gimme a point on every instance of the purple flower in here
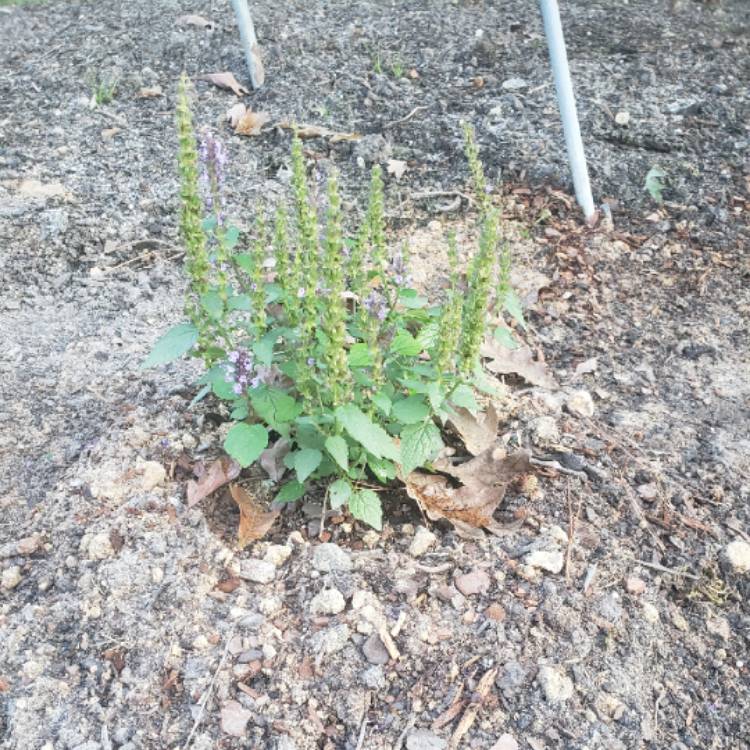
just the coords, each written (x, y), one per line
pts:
(237, 389)
(239, 371)
(213, 159)
(310, 361)
(301, 292)
(376, 305)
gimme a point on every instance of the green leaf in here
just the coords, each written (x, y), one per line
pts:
(230, 237)
(290, 492)
(173, 344)
(223, 389)
(410, 410)
(463, 396)
(512, 304)
(309, 435)
(263, 348)
(436, 395)
(411, 300)
(372, 436)
(339, 450)
(383, 403)
(245, 442)
(273, 292)
(202, 393)
(404, 344)
(419, 443)
(360, 356)
(245, 262)
(274, 406)
(365, 506)
(239, 302)
(383, 470)
(654, 183)
(209, 223)
(339, 493)
(306, 461)
(428, 335)
(211, 302)
(504, 337)
(240, 411)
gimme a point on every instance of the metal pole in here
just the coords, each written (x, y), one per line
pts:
(567, 103)
(249, 42)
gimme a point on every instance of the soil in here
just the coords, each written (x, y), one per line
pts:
(612, 613)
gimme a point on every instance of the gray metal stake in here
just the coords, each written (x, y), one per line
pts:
(567, 103)
(249, 42)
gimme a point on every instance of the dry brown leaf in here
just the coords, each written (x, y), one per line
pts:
(251, 122)
(478, 432)
(190, 19)
(220, 472)
(318, 131)
(272, 459)
(484, 480)
(504, 361)
(228, 585)
(396, 167)
(226, 80)
(235, 112)
(255, 521)
(150, 92)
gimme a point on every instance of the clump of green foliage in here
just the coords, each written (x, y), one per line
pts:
(319, 338)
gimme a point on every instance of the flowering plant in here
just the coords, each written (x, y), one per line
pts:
(318, 341)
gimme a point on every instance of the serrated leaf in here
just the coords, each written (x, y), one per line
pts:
(263, 348)
(365, 506)
(339, 493)
(405, 345)
(212, 303)
(504, 337)
(419, 443)
(306, 461)
(223, 389)
(239, 302)
(410, 410)
(274, 406)
(512, 304)
(436, 395)
(428, 335)
(245, 262)
(463, 396)
(383, 469)
(372, 436)
(654, 184)
(360, 356)
(231, 236)
(245, 442)
(173, 344)
(339, 450)
(290, 492)
(383, 403)
(411, 300)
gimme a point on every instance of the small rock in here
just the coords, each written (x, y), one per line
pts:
(514, 84)
(505, 742)
(328, 602)
(545, 430)
(371, 149)
(258, 571)
(495, 612)
(373, 677)
(737, 554)
(609, 707)
(200, 643)
(557, 687)
(423, 540)
(635, 586)
(99, 547)
(473, 582)
(277, 554)
(551, 560)
(647, 492)
(610, 607)
(650, 613)
(285, 742)
(374, 650)
(679, 621)
(423, 739)
(580, 403)
(11, 578)
(331, 640)
(154, 474)
(622, 118)
(719, 626)
(371, 538)
(329, 557)
(234, 718)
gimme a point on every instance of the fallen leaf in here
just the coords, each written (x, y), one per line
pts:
(318, 131)
(396, 167)
(116, 656)
(235, 113)
(520, 361)
(478, 432)
(190, 19)
(228, 585)
(483, 479)
(4, 685)
(150, 92)
(225, 80)
(272, 459)
(234, 718)
(255, 521)
(251, 123)
(220, 472)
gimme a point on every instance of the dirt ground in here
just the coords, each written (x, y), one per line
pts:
(613, 613)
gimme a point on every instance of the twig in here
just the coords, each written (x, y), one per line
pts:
(442, 194)
(442, 568)
(571, 531)
(363, 727)
(737, 531)
(664, 569)
(557, 466)
(403, 119)
(207, 695)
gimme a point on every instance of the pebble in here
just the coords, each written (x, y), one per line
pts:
(154, 474)
(737, 554)
(328, 602)
(557, 687)
(423, 739)
(474, 582)
(719, 626)
(505, 742)
(650, 613)
(580, 403)
(329, 557)
(635, 586)
(422, 541)
(277, 554)
(622, 118)
(374, 650)
(495, 612)
(514, 84)
(234, 719)
(285, 742)
(331, 640)
(545, 430)
(258, 571)
(551, 560)
(11, 578)
(200, 643)
(373, 677)
(371, 538)
(680, 622)
(99, 547)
